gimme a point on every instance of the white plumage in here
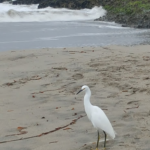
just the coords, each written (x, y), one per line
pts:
(97, 116)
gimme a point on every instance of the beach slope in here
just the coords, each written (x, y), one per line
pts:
(40, 109)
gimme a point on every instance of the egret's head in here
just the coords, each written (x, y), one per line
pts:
(84, 88)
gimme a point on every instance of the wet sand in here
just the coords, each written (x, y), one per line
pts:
(39, 109)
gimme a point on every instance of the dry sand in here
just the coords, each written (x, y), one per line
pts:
(40, 111)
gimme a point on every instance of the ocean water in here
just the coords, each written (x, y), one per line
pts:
(26, 27)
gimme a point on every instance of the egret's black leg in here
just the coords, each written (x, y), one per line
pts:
(97, 140)
(105, 139)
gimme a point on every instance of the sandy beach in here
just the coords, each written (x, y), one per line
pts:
(40, 109)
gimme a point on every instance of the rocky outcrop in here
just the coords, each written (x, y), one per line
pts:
(135, 21)
(1, 1)
(71, 4)
(28, 2)
(135, 13)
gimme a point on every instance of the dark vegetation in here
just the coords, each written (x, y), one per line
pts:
(134, 13)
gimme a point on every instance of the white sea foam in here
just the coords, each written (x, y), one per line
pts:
(31, 13)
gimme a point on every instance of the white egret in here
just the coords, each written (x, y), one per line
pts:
(97, 116)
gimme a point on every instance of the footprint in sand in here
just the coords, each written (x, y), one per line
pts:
(77, 76)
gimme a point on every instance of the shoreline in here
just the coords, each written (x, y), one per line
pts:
(41, 111)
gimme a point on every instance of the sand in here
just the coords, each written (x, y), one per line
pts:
(40, 111)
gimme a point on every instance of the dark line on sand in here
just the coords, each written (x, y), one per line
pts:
(45, 133)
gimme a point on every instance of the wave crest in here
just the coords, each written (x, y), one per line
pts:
(31, 13)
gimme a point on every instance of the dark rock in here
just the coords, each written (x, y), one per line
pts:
(28, 2)
(124, 25)
(71, 4)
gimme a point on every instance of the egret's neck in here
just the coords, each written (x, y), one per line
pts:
(87, 103)
(87, 97)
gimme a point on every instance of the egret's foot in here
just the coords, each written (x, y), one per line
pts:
(97, 149)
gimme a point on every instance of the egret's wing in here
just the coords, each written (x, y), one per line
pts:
(100, 121)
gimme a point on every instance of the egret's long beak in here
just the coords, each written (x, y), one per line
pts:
(80, 91)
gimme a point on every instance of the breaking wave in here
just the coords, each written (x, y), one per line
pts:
(31, 13)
